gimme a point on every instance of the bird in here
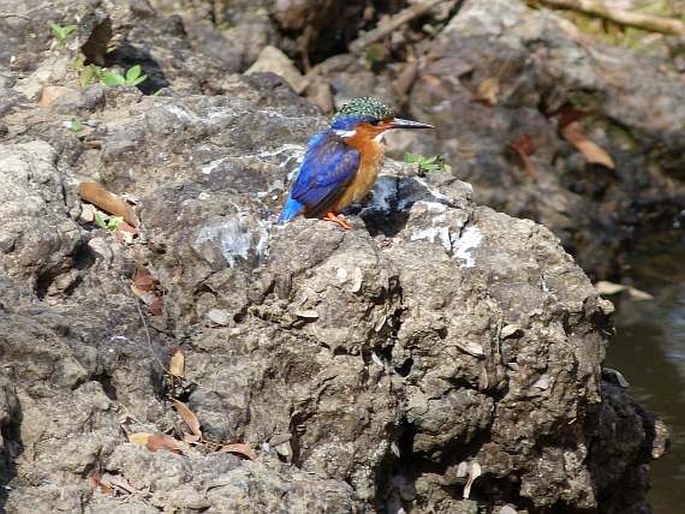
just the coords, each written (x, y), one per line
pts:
(341, 163)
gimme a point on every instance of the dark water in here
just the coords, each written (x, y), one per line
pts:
(649, 349)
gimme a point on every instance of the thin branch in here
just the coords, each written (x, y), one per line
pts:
(147, 336)
(395, 22)
(632, 19)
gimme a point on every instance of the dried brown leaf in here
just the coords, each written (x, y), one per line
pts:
(163, 442)
(573, 132)
(525, 146)
(143, 286)
(125, 233)
(487, 91)
(188, 417)
(177, 362)
(241, 449)
(524, 143)
(569, 115)
(154, 442)
(122, 484)
(156, 307)
(139, 438)
(95, 480)
(94, 193)
(143, 279)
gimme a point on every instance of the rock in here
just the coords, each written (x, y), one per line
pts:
(38, 239)
(271, 59)
(544, 66)
(218, 316)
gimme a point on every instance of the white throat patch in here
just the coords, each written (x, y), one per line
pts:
(345, 133)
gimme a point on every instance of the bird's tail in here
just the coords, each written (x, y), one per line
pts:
(291, 209)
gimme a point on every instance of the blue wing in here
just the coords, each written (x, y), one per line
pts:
(328, 166)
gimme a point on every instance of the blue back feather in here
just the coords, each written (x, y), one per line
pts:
(328, 167)
(291, 209)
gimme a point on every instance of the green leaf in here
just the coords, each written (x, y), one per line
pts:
(112, 78)
(61, 33)
(114, 222)
(428, 164)
(134, 77)
(411, 158)
(100, 219)
(139, 80)
(56, 30)
(69, 30)
(89, 75)
(133, 73)
(76, 126)
(79, 62)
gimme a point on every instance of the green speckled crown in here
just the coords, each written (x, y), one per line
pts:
(365, 106)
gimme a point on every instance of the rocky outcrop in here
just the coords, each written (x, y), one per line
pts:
(441, 357)
(538, 66)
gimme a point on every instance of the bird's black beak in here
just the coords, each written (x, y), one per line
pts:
(399, 123)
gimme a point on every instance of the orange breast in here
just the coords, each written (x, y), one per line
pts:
(372, 155)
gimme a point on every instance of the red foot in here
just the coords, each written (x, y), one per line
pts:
(330, 216)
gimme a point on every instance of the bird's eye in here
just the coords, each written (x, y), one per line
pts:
(375, 122)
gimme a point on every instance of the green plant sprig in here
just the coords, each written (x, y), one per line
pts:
(435, 164)
(62, 32)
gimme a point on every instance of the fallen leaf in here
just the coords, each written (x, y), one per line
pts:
(241, 449)
(113, 204)
(163, 442)
(95, 480)
(569, 115)
(573, 132)
(154, 442)
(487, 91)
(148, 297)
(143, 286)
(609, 288)
(125, 233)
(190, 420)
(177, 362)
(156, 307)
(142, 279)
(121, 483)
(638, 294)
(525, 146)
(474, 472)
(139, 438)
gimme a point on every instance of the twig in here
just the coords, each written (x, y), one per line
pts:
(632, 19)
(396, 21)
(147, 336)
(13, 15)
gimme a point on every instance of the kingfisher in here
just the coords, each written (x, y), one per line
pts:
(342, 162)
